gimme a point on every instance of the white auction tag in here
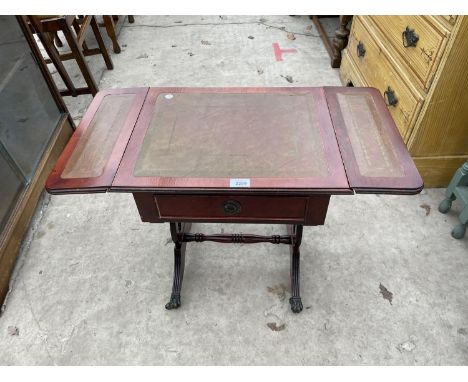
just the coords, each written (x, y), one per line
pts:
(239, 183)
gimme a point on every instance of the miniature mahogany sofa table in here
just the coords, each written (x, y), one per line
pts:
(236, 155)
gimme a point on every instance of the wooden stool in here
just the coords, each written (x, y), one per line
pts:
(46, 27)
(458, 188)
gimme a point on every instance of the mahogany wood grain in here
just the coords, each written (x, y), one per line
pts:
(365, 143)
(350, 146)
(261, 209)
(211, 207)
(58, 184)
(237, 238)
(334, 182)
(295, 255)
(376, 160)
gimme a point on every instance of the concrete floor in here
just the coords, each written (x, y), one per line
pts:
(92, 281)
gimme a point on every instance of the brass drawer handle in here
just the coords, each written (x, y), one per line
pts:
(231, 207)
(409, 37)
(361, 51)
(390, 98)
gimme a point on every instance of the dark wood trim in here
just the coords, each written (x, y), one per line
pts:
(236, 238)
(295, 300)
(18, 223)
(227, 191)
(178, 230)
(146, 206)
(180, 234)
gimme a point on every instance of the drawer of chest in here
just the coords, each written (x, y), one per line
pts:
(448, 20)
(380, 71)
(419, 41)
(349, 73)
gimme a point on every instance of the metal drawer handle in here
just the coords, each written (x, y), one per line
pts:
(409, 37)
(361, 51)
(232, 207)
(390, 98)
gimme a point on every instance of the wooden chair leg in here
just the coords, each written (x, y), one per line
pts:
(110, 28)
(102, 45)
(48, 44)
(79, 57)
(77, 27)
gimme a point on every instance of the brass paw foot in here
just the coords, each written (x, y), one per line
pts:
(173, 303)
(296, 304)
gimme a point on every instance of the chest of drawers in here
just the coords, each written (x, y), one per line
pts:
(420, 65)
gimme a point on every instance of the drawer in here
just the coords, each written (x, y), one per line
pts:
(231, 207)
(381, 71)
(349, 73)
(448, 19)
(423, 47)
(307, 210)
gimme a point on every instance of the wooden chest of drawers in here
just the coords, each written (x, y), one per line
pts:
(420, 65)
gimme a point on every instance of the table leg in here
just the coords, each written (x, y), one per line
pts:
(295, 300)
(177, 232)
(180, 236)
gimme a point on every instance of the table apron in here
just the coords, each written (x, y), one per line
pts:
(256, 209)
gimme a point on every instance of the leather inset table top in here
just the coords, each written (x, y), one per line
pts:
(233, 136)
(317, 140)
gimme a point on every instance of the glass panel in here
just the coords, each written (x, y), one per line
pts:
(370, 142)
(28, 113)
(11, 187)
(229, 135)
(95, 146)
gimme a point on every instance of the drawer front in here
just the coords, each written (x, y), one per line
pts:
(231, 207)
(381, 71)
(349, 73)
(419, 40)
(450, 19)
(158, 208)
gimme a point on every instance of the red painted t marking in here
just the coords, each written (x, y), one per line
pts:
(279, 52)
